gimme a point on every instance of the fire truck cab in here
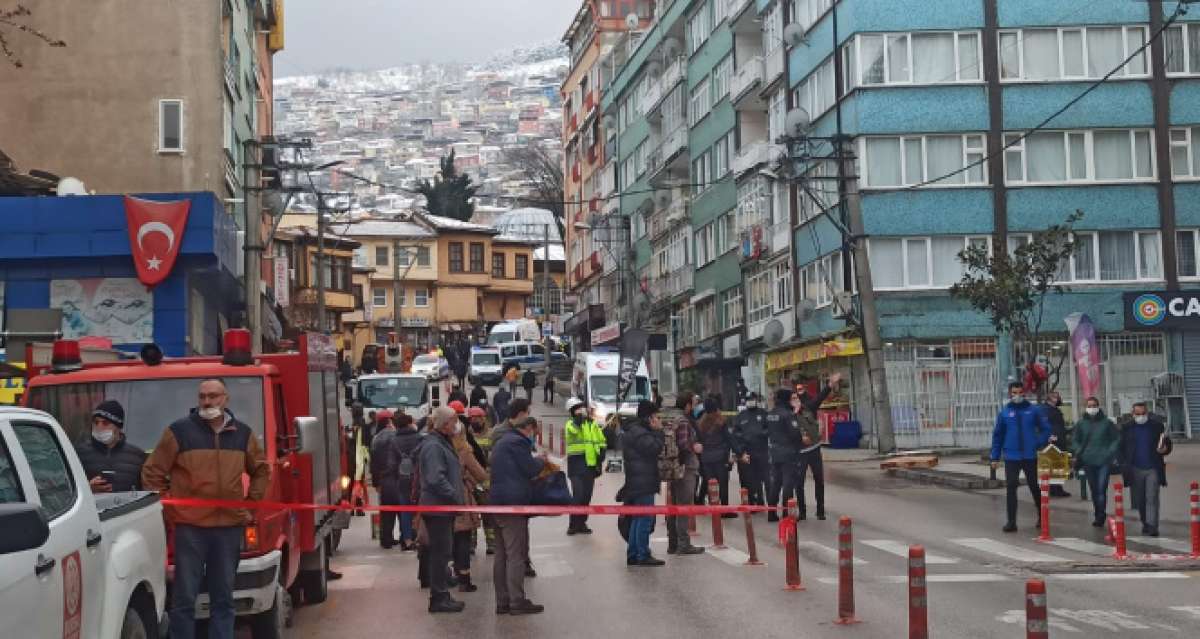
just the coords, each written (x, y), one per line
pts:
(291, 402)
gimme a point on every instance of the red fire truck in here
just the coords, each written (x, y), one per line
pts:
(290, 400)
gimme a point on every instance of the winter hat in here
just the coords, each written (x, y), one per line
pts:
(646, 409)
(711, 405)
(111, 410)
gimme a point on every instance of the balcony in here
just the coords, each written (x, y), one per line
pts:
(778, 237)
(672, 76)
(666, 155)
(747, 80)
(736, 7)
(658, 225)
(231, 76)
(773, 67)
(677, 210)
(612, 206)
(680, 281)
(589, 102)
(652, 97)
(755, 155)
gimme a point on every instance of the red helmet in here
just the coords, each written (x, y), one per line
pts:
(476, 412)
(457, 407)
(383, 414)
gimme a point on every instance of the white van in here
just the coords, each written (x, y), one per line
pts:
(408, 393)
(524, 330)
(485, 365)
(527, 355)
(595, 380)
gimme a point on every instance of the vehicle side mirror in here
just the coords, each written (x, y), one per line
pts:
(308, 434)
(25, 527)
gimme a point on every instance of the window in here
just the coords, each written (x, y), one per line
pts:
(754, 203)
(1108, 256)
(759, 300)
(782, 275)
(10, 486)
(821, 193)
(1048, 157)
(729, 234)
(706, 244)
(51, 474)
(720, 157)
(641, 158)
(1187, 258)
(701, 172)
(700, 103)
(772, 28)
(776, 115)
(816, 94)
(699, 27)
(1182, 43)
(823, 279)
(807, 12)
(423, 256)
(170, 126)
(476, 257)
(903, 161)
(941, 57)
(1185, 151)
(498, 269)
(522, 267)
(721, 75)
(1076, 53)
(456, 257)
(731, 308)
(705, 319)
(421, 297)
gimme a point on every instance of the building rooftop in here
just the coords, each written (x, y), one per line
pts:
(451, 224)
(557, 253)
(387, 228)
(528, 223)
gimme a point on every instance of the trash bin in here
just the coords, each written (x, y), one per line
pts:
(845, 434)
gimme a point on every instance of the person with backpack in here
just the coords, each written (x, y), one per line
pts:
(399, 465)
(529, 382)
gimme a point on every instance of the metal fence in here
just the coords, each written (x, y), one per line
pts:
(943, 394)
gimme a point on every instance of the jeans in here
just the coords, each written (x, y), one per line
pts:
(1012, 481)
(1097, 480)
(1145, 495)
(512, 556)
(812, 460)
(681, 495)
(639, 530)
(783, 484)
(440, 531)
(720, 472)
(583, 481)
(209, 554)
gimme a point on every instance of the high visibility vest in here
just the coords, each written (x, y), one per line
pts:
(585, 439)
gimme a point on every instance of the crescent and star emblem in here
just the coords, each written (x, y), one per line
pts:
(155, 227)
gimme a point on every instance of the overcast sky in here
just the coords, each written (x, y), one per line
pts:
(322, 34)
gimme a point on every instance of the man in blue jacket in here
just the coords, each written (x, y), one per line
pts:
(1021, 431)
(514, 466)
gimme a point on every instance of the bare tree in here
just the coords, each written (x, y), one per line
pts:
(16, 19)
(544, 173)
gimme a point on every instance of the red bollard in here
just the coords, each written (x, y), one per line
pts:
(1118, 531)
(1044, 484)
(787, 534)
(550, 438)
(751, 545)
(918, 610)
(718, 531)
(1195, 499)
(562, 443)
(541, 427)
(1037, 621)
(845, 574)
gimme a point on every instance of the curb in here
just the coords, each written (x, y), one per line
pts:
(1181, 565)
(962, 481)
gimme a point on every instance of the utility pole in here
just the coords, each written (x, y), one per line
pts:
(321, 263)
(546, 290)
(852, 205)
(396, 288)
(252, 245)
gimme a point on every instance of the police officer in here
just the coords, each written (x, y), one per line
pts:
(783, 436)
(585, 452)
(750, 435)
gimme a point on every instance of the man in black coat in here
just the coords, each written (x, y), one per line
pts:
(529, 382)
(110, 463)
(783, 435)
(754, 464)
(513, 470)
(441, 484)
(1144, 444)
(641, 444)
(478, 394)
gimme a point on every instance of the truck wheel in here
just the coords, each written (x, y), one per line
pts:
(135, 626)
(315, 583)
(269, 624)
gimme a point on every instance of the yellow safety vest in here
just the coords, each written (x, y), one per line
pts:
(585, 439)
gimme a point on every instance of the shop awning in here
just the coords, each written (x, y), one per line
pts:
(837, 347)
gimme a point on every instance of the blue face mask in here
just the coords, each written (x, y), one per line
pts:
(697, 411)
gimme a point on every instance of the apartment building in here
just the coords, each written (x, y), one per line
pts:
(398, 262)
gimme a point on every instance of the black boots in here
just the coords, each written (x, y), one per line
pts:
(445, 603)
(464, 583)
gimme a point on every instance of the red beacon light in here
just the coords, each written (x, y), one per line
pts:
(65, 356)
(237, 348)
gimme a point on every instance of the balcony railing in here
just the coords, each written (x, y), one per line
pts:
(673, 143)
(778, 237)
(753, 155)
(658, 225)
(773, 66)
(677, 210)
(653, 95)
(673, 75)
(231, 76)
(680, 281)
(748, 77)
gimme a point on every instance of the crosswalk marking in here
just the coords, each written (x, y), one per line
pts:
(1083, 546)
(969, 578)
(1088, 576)
(1164, 542)
(827, 551)
(1015, 553)
(731, 556)
(900, 549)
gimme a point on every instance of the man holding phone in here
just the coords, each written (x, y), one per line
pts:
(111, 463)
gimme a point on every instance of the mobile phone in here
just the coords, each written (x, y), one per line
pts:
(108, 475)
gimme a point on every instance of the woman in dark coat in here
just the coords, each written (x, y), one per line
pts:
(717, 447)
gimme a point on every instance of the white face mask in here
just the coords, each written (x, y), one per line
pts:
(457, 428)
(104, 436)
(210, 413)
(1141, 419)
(1092, 410)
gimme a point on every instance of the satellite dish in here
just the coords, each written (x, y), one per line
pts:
(671, 48)
(793, 35)
(805, 310)
(70, 186)
(632, 21)
(797, 122)
(773, 333)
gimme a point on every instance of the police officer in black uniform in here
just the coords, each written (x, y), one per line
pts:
(754, 464)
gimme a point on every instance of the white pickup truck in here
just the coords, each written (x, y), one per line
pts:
(73, 565)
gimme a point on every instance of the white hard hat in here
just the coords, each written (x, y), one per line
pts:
(574, 403)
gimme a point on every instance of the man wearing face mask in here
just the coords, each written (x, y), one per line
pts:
(1094, 445)
(441, 484)
(1021, 431)
(585, 450)
(110, 463)
(750, 433)
(204, 456)
(1144, 444)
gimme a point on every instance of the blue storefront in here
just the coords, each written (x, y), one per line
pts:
(73, 253)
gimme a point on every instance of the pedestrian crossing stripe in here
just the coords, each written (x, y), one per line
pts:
(900, 549)
(821, 549)
(1163, 542)
(1008, 551)
(1082, 545)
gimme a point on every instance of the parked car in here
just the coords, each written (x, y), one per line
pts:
(431, 366)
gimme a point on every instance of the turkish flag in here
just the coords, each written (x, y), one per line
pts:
(155, 235)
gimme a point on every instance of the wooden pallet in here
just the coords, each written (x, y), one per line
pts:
(910, 461)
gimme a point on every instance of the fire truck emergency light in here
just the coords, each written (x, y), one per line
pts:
(237, 348)
(65, 356)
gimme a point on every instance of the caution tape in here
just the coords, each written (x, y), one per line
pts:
(601, 509)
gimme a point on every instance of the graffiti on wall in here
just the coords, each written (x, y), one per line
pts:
(120, 309)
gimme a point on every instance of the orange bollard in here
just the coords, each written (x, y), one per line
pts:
(1037, 621)
(550, 438)
(541, 427)
(562, 444)
(751, 545)
(787, 535)
(918, 610)
(1118, 526)
(845, 574)
(1195, 512)
(1044, 484)
(718, 531)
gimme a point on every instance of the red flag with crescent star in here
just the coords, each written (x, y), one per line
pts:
(155, 235)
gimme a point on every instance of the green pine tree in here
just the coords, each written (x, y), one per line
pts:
(450, 193)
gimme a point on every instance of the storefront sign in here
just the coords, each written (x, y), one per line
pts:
(839, 347)
(609, 333)
(1162, 309)
(281, 282)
